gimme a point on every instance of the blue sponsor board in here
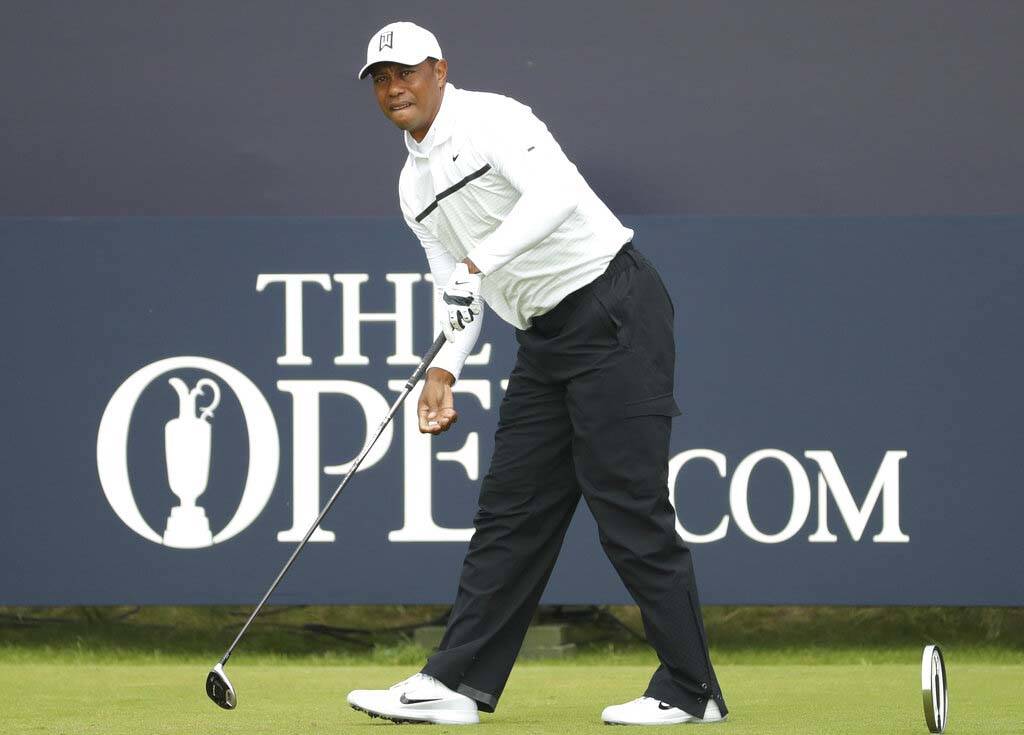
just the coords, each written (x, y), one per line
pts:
(182, 394)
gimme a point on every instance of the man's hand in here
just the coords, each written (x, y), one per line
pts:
(462, 297)
(437, 404)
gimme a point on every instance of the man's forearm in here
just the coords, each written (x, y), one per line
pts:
(453, 355)
(540, 211)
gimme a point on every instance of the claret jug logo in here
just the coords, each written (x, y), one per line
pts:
(188, 441)
(188, 444)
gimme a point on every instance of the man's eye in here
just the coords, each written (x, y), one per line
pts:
(407, 72)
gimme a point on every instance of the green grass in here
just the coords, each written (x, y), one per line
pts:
(783, 670)
(540, 698)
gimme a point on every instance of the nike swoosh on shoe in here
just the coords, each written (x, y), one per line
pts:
(405, 700)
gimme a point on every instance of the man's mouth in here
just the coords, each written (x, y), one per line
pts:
(400, 106)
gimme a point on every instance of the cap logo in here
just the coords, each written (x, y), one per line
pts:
(386, 41)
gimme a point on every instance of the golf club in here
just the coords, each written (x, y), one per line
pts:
(218, 687)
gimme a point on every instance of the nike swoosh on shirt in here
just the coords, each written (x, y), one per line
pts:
(405, 700)
(455, 156)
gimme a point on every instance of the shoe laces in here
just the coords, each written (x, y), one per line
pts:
(641, 700)
(411, 680)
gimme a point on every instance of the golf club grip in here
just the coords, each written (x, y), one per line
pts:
(427, 359)
(415, 378)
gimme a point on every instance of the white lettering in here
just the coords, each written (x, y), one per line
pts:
(738, 496)
(293, 352)
(306, 446)
(886, 485)
(674, 466)
(112, 445)
(418, 521)
(352, 317)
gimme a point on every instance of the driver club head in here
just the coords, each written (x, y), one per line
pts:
(219, 689)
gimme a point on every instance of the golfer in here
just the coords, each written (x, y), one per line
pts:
(506, 220)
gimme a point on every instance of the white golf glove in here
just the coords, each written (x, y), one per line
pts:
(462, 298)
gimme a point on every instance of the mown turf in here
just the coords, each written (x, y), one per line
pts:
(540, 698)
(783, 670)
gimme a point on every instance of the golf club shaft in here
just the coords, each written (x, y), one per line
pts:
(410, 384)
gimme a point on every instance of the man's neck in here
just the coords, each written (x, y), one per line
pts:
(419, 135)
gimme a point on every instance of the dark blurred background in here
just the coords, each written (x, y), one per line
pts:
(709, 107)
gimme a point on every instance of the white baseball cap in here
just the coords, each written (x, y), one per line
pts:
(402, 42)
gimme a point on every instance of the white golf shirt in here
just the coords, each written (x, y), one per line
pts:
(490, 183)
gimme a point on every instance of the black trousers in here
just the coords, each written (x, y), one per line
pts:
(588, 411)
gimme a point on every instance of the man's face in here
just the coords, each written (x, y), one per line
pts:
(410, 96)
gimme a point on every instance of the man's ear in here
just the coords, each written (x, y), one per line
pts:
(441, 70)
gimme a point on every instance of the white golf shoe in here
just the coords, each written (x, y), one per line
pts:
(420, 698)
(648, 711)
